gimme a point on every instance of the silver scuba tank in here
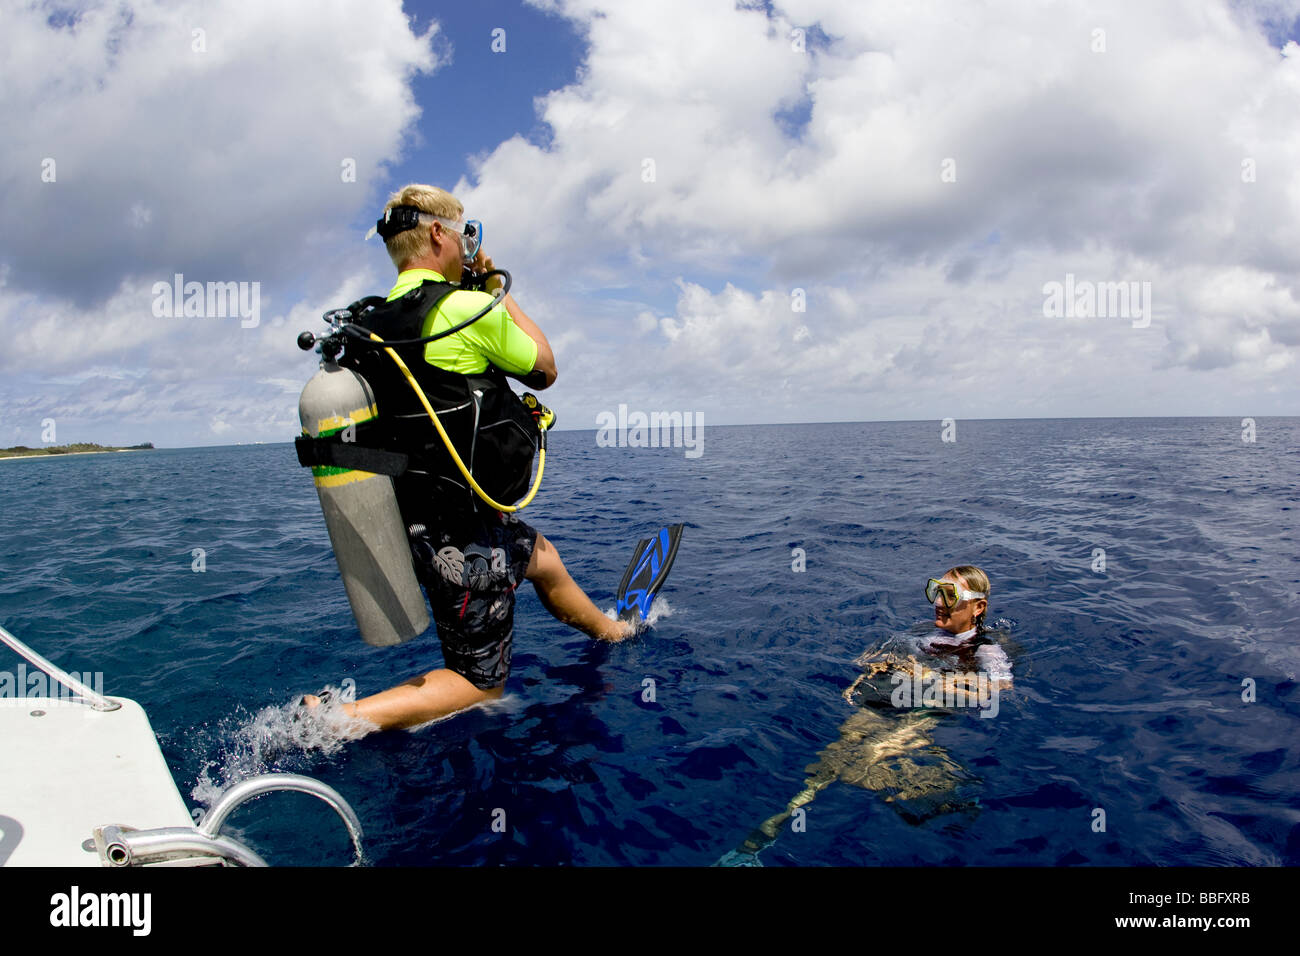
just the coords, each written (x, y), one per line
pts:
(361, 514)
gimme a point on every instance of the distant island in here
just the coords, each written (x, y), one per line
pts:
(79, 448)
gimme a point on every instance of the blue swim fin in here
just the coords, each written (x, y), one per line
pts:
(646, 573)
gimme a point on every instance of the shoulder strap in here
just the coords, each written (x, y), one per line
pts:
(403, 317)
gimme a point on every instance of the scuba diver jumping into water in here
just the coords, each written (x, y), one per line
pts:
(953, 665)
(470, 551)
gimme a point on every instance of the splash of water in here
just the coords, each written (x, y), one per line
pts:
(288, 738)
(658, 610)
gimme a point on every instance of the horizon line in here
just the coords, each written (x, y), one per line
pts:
(882, 421)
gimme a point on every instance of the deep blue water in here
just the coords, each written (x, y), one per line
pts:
(1128, 683)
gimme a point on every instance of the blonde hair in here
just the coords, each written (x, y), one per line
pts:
(976, 580)
(414, 243)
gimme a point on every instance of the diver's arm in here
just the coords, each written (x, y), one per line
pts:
(534, 379)
(544, 372)
(848, 694)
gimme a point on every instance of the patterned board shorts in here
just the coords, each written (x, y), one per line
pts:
(470, 576)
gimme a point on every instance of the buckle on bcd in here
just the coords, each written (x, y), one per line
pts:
(543, 416)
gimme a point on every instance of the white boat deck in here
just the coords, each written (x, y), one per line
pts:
(73, 768)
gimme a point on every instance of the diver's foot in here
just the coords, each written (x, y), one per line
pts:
(325, 711)
(309, 702)
(312, 701)
(306, 704)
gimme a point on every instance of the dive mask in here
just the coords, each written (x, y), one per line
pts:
(471, 236)
(948, 593)
(395, 220)
(401, 218)
(473, 240)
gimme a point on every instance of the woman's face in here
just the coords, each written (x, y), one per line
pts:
(962, 617)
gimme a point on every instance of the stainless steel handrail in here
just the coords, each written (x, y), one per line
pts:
(96, 701)
(268, 782)
(123, 846)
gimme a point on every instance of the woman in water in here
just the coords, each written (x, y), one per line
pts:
(959, 638)
(953, 665)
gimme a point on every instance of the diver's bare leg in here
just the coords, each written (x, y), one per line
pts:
(821, 774)
(764, 835)
(566, 601)
(417, 701)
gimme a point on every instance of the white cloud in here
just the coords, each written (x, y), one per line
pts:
(192, 137)
(1120, 164)
(117, 373)
(211, 154)
(1168, 158)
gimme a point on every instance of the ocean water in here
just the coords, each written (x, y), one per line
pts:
(1153, 718)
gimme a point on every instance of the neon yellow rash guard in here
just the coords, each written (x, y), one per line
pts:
(494, 338)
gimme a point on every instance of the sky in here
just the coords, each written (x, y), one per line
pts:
(803, 211)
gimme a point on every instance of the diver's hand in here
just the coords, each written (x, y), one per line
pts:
(483, 263)
(849, 691)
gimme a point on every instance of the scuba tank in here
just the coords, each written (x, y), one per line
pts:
(376, 436)
(361, 514)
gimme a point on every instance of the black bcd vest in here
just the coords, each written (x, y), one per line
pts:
(494, 433)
